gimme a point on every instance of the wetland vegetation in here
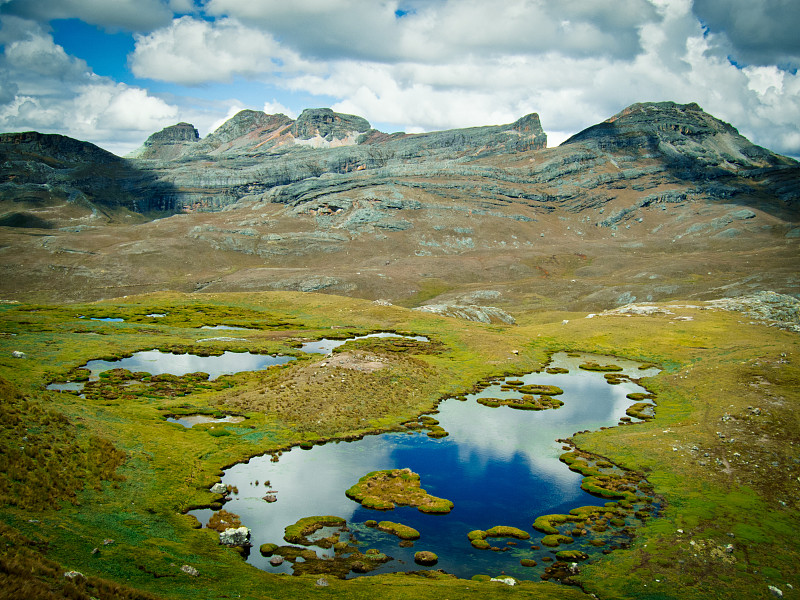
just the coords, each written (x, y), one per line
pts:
(718, 455)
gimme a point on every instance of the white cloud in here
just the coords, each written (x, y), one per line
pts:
(38, 57)
(131, 15)
(445, 29)
(118, 107)
(757, 33)
(275, 107)
(677, 62)
(444, 64)
(44, 89)
(192, 51)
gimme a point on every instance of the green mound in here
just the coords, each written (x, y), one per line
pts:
(382, 490)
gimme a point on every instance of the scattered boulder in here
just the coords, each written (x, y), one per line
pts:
(276, 561)
(190, 570)
(18, 354)
(239, 536)
(218, 488)
(506, 580)
(472, 312)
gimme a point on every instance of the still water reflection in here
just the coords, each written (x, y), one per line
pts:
(498, 465)
(326, 346)
(156, 362)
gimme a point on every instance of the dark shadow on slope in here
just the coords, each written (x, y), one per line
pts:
(38, 168)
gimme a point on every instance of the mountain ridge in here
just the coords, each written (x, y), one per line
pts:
(425, 218)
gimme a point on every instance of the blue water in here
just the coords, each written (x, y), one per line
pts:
(326, 345)
(156, 362)
(498, 465)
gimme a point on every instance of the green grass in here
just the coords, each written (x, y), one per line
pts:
(112, 468)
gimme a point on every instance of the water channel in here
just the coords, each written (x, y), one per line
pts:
(499, 466)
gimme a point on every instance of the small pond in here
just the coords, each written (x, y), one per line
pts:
(156, 362)
(190, 421)
(499, 466)
(326, 346)
(104, 319)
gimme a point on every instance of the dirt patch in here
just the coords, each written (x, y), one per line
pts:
(357, 362)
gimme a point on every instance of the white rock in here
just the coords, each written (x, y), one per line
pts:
(190, 570)
(18, 354)
(506, 580)
(775, 591)
(235, 536)
(218, 488)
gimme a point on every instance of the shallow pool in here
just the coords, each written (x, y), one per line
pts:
(499, 466)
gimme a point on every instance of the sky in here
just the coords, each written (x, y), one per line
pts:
(114, 71)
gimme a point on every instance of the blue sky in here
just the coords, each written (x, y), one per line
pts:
(115, 71)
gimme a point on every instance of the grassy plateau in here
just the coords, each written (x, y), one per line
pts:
(100, 484)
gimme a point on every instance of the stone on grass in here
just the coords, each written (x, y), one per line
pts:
(235, 536)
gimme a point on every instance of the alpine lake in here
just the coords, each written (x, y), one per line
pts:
(519, 491)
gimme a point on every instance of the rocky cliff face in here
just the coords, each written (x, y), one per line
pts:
(320, 125)
(169, 143)
(254, 153)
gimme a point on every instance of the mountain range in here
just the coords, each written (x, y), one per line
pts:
(660, 201)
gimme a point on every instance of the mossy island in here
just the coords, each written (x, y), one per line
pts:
(478, 537)
(594, 366)
(383, 490)
(542, 389)
(404, 532)
(298, 532)
(425, 558)
(526, 402)
(222, 520)
(641, 410)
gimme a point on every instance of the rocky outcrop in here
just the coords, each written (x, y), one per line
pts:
(169, 143)
(776, 310)
(239, 536)
(323, 125)
(481, 314)
(245, 132)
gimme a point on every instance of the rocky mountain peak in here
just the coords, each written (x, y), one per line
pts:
(246, 123)
(530, 129)
(325, 124)
(181, 132)
(169, 142)
(681, 133)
